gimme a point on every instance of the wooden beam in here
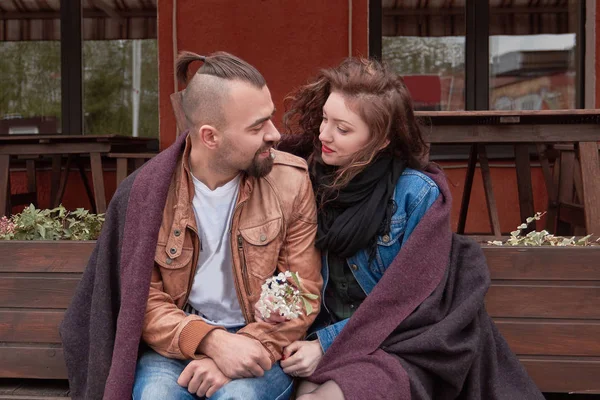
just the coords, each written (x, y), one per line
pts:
(524, 184)
(488, 190)
(71, 51)
(87, 13)
(4, 183)
(590, 168)
(375, 29)
(466, 195)
(477, 55)
(534, 133)
(110, 11)
(445, 11)
(98, 180)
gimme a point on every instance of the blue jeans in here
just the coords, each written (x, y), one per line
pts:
(156, 379)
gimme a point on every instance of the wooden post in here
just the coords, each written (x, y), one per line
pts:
(590, 175)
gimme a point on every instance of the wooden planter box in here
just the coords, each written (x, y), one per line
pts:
(37, 281)
(546, 303)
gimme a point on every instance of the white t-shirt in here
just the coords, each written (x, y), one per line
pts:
(213, 291)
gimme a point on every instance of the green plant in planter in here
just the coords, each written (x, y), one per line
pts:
(51, 224)
(543, 238)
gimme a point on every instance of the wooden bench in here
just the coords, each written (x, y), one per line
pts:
(123, 166)
(37, 281)
(545, 301)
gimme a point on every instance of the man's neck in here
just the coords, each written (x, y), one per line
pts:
(201, 168)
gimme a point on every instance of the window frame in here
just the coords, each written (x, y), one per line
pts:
(477, 49)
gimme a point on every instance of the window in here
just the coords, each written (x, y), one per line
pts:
(55, 52)
(468, 54)
(427, 47)
(120, 87)
(31, 82)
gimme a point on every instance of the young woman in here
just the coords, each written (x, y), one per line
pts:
(402, 311)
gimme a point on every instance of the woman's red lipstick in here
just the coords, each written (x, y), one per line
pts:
(326, 150)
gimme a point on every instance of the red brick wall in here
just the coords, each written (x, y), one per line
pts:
(597, 54)
(288, 41)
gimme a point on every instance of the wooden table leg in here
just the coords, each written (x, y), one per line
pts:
(578, 182)
(489, 193)
(55, 179)
(590, 176)
(567, 176)
(551, 187)
(86, 183)
(64, 178)
(121, 170)
(524, 185)
(466, 195)
(4, 177)
(565, 189)
(98, 182)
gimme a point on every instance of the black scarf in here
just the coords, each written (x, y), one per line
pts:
(351, 219)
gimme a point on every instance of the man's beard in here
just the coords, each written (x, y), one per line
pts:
(260, 167)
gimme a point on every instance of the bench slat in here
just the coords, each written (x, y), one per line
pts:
(558, 338)
(550, 263)
(32, 362)
(37, 292)
(544, 301)
(564, 375)
(41, 256)
(25, 326)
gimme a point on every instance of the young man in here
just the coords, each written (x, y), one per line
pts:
(235, 213)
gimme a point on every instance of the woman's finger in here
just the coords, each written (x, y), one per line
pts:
(293, 360)
(292, 348)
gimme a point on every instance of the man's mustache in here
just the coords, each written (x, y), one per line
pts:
(268, 146)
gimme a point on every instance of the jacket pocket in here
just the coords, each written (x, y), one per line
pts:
(175, 275)
(388, 246)
(259, 250)
(162, 257)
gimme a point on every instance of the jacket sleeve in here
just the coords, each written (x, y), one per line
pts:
(427, 197)
(327, 335)
(298, 254)
(168, 330)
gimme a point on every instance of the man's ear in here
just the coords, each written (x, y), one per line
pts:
(209, 136)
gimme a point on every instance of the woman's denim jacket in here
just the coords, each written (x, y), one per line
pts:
(415, 193)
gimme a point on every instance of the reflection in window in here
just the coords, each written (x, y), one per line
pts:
(534, 55)
(433, 69)
(30, 81)
(424, 42)
(532, 72)
(120, 87)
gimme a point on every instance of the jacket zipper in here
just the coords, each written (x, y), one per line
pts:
(194, 266)
(235, 275)
(240, 240)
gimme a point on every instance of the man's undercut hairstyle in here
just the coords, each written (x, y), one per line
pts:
(203, 97)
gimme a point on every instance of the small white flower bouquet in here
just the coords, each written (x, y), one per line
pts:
(281, 297)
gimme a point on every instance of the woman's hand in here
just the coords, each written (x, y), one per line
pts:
(274, 319)
(300, 359)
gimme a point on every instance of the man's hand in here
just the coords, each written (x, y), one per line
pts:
(202, 377)
(237, 356)
(301, 358)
